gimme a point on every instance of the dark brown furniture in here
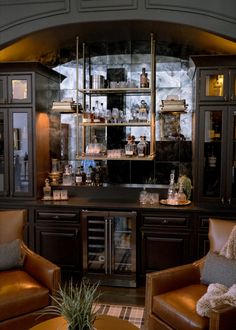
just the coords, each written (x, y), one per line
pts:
(172, 294)
(24, 292)
(215, 124)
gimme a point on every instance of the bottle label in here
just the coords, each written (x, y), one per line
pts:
(78, 179)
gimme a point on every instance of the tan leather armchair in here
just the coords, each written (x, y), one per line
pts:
(24, 292)
(172, 294)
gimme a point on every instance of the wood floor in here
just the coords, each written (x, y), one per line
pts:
(122, 296)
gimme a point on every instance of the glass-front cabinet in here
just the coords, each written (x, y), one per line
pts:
(215, 150)
(27, 90)
(217, 154)
(218, 85)
(15, 89)
(109, 247)
(15, 152)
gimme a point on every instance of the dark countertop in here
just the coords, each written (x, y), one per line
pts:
(98, 203)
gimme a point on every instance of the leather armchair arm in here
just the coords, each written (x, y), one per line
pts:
(223, 317)
(172, 278)
(42, 269)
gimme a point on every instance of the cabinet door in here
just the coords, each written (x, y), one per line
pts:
(58, 237)
(123, 242)
(19, 89)
(59, 244)
(232, 85)
(214, 85)
(109, 247)
(211, 162)
(3, 153)
(3, 89)
(231, 164)
(162, 250)
(95, 248)
(20, 152)
(166, 241)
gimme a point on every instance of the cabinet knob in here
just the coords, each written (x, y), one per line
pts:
(222, 200)
(164, 221)
(229, 200)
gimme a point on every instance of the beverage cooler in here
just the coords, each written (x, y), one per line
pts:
(109, 247)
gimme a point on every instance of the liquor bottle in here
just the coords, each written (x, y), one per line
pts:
(181, 197)
(135, 151)
(83, 174)
(129, 147)
(96, 113)
(141, 147)
(143, 79)
(171, 189)
(68, 176)
(143, 112)
(102, 114)
(87, 115)
(78, 177)
(47, 190)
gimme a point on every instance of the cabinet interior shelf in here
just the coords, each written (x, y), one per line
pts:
(102, 91)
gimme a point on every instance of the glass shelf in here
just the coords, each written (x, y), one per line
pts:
(135, 124)
(104, 91)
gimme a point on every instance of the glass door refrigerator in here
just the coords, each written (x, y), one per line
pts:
(109, 247)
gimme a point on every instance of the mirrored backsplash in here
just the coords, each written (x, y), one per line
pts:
(173, 133)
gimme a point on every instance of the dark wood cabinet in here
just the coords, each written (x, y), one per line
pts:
(57, 238)
(215, 131)
(26, 94)
(167, 240)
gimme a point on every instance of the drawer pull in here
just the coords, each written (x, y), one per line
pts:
(164, 221)
(56, 217)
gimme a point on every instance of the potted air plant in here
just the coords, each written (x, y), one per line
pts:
(77, 304)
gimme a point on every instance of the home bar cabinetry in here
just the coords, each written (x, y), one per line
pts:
(170, 235)
(160, 236)
(26, 94)
(215, 85)
(57, 238)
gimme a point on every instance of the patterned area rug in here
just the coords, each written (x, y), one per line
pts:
(133, 314)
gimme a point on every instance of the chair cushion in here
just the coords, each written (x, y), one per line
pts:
(218, 269)
(20, 294)
(177, 308)
(10, 255)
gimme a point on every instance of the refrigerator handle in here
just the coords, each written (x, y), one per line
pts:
(106, 247)
(110, 246)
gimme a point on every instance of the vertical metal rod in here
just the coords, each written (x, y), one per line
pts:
(84, 102)
(153, 96)
(105, 245)
(77, 97)
(110, 245)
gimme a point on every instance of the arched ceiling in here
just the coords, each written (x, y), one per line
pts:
(46, 45)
